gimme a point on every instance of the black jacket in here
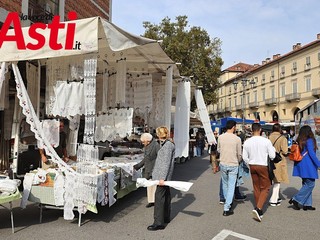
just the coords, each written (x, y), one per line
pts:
(150, 155)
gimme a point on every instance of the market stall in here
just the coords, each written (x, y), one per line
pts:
(115, 79)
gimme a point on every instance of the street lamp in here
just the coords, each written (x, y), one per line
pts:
(244, 83)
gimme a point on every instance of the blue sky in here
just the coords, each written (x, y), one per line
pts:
(250, 30)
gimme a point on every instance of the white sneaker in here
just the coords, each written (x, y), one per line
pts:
(256, 215)
(274, 204)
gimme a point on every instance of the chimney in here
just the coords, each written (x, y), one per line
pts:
(264, 62)
(318, 36)
(298, 45)
(275, 56)
(294, 47)
(267, 60)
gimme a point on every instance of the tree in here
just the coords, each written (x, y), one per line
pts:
(199, 55)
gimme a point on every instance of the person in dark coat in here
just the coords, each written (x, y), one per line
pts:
(162, 171)
(151, 148)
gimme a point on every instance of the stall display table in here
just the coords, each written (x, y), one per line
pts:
(9, 199)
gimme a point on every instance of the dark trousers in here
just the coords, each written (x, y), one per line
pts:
(162, 205)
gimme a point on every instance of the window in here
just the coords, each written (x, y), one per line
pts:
(294, 65)
(308, 61)
(263, 93)
(283, 71)
(235, 101)
(229, 90)
(283, 89)
(272, 90)
(308, 84)
(221, 90)
(263, 77)
(255, 96)
(221, 104)
(307, 66)
(230, 102)
(319, 56)
(294, 86)
(248, 98)
(272, 73)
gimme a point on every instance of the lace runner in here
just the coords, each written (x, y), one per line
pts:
(90, 70)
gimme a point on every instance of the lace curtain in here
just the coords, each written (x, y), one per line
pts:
(168, 97)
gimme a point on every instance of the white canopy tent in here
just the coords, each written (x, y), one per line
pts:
(99, 36)
(108, 44)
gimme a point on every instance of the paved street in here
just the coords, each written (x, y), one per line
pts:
(196, 215)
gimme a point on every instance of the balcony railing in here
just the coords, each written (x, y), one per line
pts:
(316, 92)
(293, 97)
(271, 78)
(254, 104)
(307, 66)
(271, 101)
(228, 109)
(238, 107)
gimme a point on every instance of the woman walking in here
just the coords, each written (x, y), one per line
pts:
(306, 169)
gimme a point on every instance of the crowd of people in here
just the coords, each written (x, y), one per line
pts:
(255, 155)
(234, 158)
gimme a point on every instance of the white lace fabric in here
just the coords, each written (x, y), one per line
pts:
(51, 131)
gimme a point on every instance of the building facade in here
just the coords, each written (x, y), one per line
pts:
(41, 10)
(273, 91)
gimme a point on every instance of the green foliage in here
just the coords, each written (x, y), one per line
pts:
(199, 55)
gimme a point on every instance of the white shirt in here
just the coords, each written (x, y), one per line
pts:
(256, 151)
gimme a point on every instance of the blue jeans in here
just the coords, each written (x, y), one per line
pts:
(304, 196)
(229, 177)
(199, 151)
(237, 193)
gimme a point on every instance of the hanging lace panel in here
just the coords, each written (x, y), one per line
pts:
(121, 78)
(182, 119)
(142, 90)
(69, 99)
(32, 84)
(168, 97)
(111, 86)
(90, 70)
(51, 129)
(157, 118)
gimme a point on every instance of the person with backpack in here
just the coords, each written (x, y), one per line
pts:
(306, 169)
(280, 143)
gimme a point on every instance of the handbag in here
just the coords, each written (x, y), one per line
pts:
(271, 167)
(278, 157)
